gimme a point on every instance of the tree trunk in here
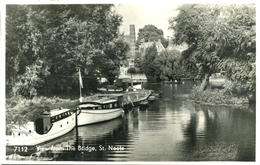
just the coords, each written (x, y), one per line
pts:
(204, 82)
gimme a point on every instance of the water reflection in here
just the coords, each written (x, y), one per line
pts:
(172, 128)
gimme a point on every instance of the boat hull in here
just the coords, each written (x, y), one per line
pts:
(219, 82)
(59, 128)
(87, 116)
(151, 98)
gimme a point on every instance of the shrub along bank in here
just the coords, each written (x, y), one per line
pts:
(228, 95)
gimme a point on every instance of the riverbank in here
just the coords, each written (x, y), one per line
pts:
(216, 97)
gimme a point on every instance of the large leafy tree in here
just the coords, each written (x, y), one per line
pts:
(18, 53)
(110, 62)
(148, 66)
(151, 33)
(169, 64)
(219, 37)
(58, 40)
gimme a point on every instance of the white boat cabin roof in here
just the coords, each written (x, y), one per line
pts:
(55, 112)
(100, 101)
(89, 105)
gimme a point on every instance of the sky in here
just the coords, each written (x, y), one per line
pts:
(156, 13)
(144, 14)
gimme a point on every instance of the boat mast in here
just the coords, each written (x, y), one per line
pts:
(80, 86)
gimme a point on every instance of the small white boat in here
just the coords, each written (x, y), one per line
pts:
(48, 126)
(217, 79)
(151, 98)
(110, 89)
(144, 104)
(100, 110)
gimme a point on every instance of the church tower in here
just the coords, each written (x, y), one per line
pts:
(132, 33)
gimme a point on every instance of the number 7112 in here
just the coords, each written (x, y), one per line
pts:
(20, 149)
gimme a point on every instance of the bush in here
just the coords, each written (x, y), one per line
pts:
(218, 96)
(22, 110)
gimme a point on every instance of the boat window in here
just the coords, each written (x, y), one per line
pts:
(115, 105)
(99, 107)
(110, 105)
(104, 106)
(57, 117)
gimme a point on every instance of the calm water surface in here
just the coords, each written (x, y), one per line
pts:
(172, 128)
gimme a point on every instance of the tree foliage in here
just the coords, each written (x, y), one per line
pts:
(169, 65)
(219, 37)
(148, 65)
(151, 33)
(51, 42)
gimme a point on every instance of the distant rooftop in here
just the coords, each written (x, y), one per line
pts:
(136, 77)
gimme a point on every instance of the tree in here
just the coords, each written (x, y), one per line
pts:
(114, 53)
(216, 34)
(148, 65)
(169, 64)
(65, 38)
(151, 33)
(17, 51)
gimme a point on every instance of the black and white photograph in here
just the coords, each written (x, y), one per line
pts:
(152, 82)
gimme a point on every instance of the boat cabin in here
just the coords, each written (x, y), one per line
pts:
(100, 104)
(106, 101)
(44, 123)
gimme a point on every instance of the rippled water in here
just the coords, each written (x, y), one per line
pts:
(172, 128)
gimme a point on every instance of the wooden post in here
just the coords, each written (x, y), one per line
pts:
(77, 135)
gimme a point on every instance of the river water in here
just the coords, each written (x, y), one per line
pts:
(172, 128)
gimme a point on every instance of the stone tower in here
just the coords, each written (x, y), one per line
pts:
(132, 45)
(132, 33)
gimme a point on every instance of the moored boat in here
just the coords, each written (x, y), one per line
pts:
(151, 98)
(106, 90)
(144, 104)
(103, 109)
(156, 93)
(217, 79)
(172, 82)
(48, 126)
(110, 89)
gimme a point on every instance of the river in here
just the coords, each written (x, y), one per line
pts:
(172, 128)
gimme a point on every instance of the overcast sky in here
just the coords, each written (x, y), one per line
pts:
(144, 14)
(156, 13)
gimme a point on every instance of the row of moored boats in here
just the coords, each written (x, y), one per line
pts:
(57, 122)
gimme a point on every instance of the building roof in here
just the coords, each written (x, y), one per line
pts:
(158, 45)
(180, 48)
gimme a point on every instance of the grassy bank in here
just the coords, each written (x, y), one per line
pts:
(20, 110)
(216, 97)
